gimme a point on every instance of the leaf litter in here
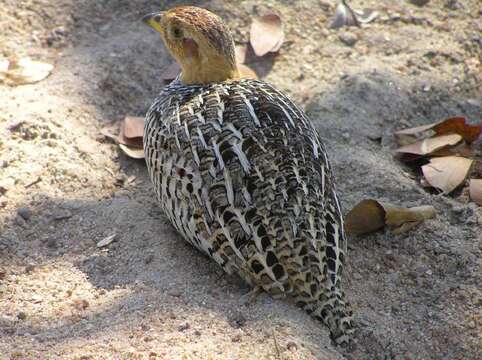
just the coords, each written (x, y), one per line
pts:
(447, 173)
(266, 34)
(371, 215)
(451, 151)
(346, 16)
(23, 71)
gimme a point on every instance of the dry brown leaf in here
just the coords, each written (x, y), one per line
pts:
(133, 152)
(428, 146)
(367, 216)
(266, 34)
(447, 173)
(345, 16)
(475, 190)
(402, 219)
(454, 125)
(131, 132)
(246, 72)
(371, 215)
(240, 52)
(133, 126)
(24, 71)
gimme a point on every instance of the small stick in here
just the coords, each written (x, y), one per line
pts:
(278, 354)
(36, 181)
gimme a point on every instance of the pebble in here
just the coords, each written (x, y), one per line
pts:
(291, 345)
(25, 213)
(348, 38)
(21, 315)
(183, 327)
(237, 320)
(419, 2)
(52, 243)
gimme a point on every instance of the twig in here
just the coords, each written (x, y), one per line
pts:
(36, 181)
(278, 354)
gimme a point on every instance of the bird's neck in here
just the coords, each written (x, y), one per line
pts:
(208, 68)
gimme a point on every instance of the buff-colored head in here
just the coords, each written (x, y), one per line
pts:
(199, 41)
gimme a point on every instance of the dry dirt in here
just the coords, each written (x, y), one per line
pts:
(148, 295)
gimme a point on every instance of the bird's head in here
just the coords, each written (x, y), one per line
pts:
(199, 41)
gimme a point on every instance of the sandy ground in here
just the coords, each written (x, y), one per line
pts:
(148, 295)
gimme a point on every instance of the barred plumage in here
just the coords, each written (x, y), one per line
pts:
(241, 173)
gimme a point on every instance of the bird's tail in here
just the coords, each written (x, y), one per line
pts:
(333, 310)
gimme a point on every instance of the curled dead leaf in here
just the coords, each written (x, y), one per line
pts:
(453, 125)
(346, 16)
(428, 146)
(240, 52)
(475, 190)
(371, 215)
(367, 216)
(447, 173)
(133, 152)
(133, 126)
(266, 34)
(131, 132)
(24, 71)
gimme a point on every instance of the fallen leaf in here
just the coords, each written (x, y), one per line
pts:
(447, 173)
(475, 190)
(266, 34)
(366, 16)
(171, 72)
(133, 152)
(428, 146)
(345, 16)
(371, 215)
(240, 52)
(246, 72)
(367, 216)
(24, 71)
(108, 132)
(133, 126)
(402, 219)
(106, 241)
(453, 125)
(131, 132)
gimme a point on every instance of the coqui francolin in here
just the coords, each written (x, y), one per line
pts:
(242, 174)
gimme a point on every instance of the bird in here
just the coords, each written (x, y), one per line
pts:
(241, 172)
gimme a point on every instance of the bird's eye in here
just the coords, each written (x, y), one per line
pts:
(177, 32)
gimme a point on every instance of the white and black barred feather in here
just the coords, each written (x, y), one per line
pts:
(241, 173)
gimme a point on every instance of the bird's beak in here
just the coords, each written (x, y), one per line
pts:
(153, 20)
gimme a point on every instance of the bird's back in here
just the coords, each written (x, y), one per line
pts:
(242, 174)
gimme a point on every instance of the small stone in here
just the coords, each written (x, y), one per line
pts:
(2, 274)
(149, 259)
(52, 243)
(29, 268)
(81, 304)
(21, 315)
(25, 213)
(348, 39)
(197, 333)
(236, 338)
(291, 346)
(419, 2)
(184, 327)
(237, 320)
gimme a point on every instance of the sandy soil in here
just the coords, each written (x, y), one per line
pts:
(148, 295)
